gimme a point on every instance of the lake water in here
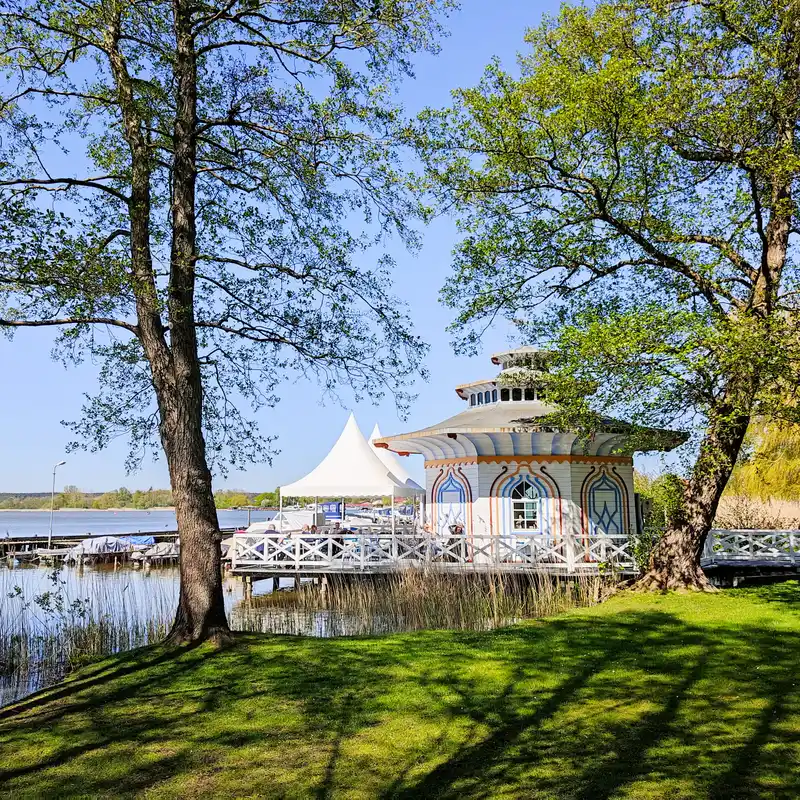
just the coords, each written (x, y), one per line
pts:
(26, 524)
(40, 611)
(119, 593)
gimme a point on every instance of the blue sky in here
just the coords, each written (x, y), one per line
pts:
(38, 393)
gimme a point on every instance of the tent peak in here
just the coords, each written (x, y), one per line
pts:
(352, 468)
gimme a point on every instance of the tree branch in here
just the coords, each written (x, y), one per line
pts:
(39, 323)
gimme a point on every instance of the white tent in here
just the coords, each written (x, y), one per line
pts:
(352, 468)
(392, 462)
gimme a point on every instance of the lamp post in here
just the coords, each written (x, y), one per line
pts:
(52, 504)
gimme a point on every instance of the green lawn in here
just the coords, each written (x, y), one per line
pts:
(673, 696)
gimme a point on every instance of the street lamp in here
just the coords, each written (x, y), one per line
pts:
(52, 504)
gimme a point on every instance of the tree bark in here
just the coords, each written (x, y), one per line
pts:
(201, 611)
(675, 560)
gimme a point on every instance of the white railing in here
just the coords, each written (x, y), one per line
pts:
(752, 546)
(372, 549)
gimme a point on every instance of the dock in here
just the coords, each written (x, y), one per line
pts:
(378, 549)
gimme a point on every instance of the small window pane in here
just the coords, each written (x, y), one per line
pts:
(504, 394)
(524, 491)
(530, 394)
(494, 395)
(487, 397)
(472, 399)
(516, 394)
(480, 399)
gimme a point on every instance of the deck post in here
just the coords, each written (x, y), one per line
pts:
(394, 534)
(569, 548)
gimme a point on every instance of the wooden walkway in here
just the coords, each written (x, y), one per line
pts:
(377, 549)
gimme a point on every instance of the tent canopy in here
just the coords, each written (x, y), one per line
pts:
(392, 462)
(352, 468)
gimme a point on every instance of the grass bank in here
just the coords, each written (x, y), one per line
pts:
(642, 697)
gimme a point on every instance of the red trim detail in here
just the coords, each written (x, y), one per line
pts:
(384, 445)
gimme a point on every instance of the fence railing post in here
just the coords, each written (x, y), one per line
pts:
(569, 551)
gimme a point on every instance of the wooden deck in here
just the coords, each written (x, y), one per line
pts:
(377, 549)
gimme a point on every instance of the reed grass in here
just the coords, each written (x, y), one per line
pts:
(44, 635)
(416, 599)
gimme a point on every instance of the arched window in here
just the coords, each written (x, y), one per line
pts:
(487, 396)
(524, 507)
(472, 399)
(494, 395)
(504, 395)
(529, 393)
(480, 398)
(516, 394)
(605, 506)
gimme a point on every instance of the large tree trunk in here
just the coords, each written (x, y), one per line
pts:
(201, 612)
(675, 560)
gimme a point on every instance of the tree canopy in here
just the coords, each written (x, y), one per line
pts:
(190, 192)
(627, 197)
(296, 178)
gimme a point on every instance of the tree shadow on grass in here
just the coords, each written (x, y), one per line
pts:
(574, 707)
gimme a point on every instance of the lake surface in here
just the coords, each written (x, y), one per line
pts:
(124, 593)
(15, 524)
(42, 612)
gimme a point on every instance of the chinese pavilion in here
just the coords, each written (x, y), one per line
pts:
(499, 468)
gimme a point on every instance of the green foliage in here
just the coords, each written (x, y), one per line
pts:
(267, 499)
(642, 697)
(296, 181)
(231, 499)
(626, 202)
(71, 497)
(770, 466)
(663, 501)
(23, 502)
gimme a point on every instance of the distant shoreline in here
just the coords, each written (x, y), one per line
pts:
(119, 510)
(98, 510)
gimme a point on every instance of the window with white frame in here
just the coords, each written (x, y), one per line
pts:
(524, 507)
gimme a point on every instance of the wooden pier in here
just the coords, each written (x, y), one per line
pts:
(376, 549)
(34, 548)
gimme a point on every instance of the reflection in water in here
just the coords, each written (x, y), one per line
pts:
(53, 621)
